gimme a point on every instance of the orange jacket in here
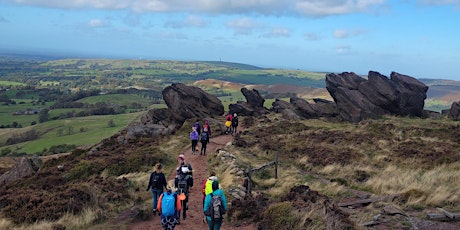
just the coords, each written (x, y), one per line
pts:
(178, 205)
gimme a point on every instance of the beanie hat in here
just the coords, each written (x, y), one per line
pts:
(215, 185)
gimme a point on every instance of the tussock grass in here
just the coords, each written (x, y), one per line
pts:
(436, 187)
(69, 221)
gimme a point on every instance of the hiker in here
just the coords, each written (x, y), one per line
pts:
(157, 182)
(234, 123)
(215, 206)
(204, 141)
(228, 123)
(194, 139)
(168, 206)
(207, 126)
(207, 185)
(183, 182)
(197, 126)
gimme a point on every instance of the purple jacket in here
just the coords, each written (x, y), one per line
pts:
(194, 135)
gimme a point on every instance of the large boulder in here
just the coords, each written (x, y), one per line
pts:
(184, 102)
(190, 102)
(358, 98)
(454, 112)
(254, 105)
(23, 168)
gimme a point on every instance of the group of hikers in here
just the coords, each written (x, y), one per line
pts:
(231, 123)
(170, 203)
(203, 133)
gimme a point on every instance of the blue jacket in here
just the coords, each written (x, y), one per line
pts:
(207, 201)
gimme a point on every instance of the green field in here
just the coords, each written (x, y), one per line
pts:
(76, 131)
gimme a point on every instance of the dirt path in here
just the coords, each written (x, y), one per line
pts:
(200, 173)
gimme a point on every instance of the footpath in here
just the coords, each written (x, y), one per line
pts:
(195, 212)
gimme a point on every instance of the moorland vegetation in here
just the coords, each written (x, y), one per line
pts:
(414, 161)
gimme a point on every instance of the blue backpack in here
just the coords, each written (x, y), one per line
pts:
(168, 204)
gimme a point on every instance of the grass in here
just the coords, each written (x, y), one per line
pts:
(78, 131)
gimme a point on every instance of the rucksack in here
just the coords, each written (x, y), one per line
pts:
(215, 208)
(204, 137)
(182, 184)
(235, 121)
(168, 204)
(155, 180)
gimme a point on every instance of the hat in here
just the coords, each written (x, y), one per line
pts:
(215, 185)
(181, 157)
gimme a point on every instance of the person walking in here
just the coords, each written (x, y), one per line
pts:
(168, 205)
(228, 123)
(206, 187)
(194, 138)
(157, 182)
(234, 123)
(204, 141)
(215, 206)
(183, 182)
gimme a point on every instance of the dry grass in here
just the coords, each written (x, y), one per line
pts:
(436, 187)
(85, 220)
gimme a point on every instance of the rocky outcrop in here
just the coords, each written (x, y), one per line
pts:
(254, 105)
(358, 98)
(23, 168)
(454, 112)
(184, 102)
(190, 101)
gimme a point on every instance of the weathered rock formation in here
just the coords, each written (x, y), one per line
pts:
(253, 106)
(189, 102)
(358, 98)
(454, 112)
(299, 108)
(23, 168)
(184, 102)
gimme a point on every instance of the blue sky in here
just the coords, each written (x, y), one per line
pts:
(420, 38)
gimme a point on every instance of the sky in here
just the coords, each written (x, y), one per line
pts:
(419, 38)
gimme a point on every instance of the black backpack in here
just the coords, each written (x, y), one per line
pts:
(215, 209)
(182, 184)
(235, 121)
(204, 137)
(155, 180)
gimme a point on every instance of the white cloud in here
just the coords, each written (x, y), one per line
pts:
(340, 34)
(97, 23)
(342, 49)
(279, 32)
(243, 25)
(454, 3)
(262, 7)
(190, 21)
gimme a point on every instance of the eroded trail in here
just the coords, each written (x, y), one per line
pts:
(200, 173)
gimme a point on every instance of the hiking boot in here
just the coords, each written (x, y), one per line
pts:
(154, 211)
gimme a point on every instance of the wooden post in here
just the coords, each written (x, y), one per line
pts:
(276, 165)
(249, 189)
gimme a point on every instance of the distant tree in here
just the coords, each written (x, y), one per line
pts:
(43, 116)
